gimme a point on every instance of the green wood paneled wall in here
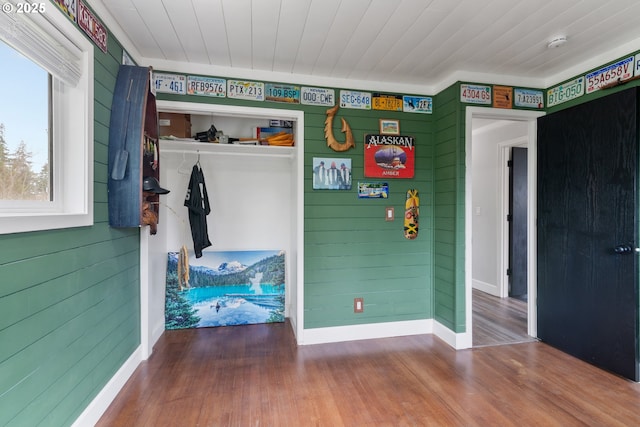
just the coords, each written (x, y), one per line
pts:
(449, 210)
(69, 298)
(350, 250)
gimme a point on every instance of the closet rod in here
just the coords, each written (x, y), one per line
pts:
(230, 153)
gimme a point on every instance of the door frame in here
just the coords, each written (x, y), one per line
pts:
(515, 115)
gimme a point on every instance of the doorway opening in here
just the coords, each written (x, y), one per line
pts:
(491, 135)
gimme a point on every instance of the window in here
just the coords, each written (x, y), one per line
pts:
(46, 124)
(24, 130)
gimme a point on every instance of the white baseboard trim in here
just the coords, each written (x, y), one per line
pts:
(156, 334)
(91, 415)
(485, 287)
(458, 341)
(364, 332)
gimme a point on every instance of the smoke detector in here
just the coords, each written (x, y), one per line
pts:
(557, 41)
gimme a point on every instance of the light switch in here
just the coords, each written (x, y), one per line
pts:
(389, 213)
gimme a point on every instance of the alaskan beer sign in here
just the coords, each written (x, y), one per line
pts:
(389, 156)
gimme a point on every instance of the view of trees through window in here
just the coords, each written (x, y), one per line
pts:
(24, 129)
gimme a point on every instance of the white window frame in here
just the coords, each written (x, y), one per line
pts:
(72, 152)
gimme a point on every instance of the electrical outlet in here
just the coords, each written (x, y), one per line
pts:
(358, 305)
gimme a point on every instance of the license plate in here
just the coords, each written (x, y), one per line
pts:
(417, 104)
(357, 100)
(620, 71)
(387, 102)
(318, 96)
(206, 86)
(475, 94)
(565, 92)
(528, 98)
(282, 93)
(245, 90)
(170, 83)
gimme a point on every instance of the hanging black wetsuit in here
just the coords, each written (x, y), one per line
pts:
(197, 201)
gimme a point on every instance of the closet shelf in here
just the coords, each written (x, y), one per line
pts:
(192, 146)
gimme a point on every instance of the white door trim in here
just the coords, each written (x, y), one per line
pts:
(501, 114)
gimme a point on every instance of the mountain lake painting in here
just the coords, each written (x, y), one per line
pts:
(225, 288)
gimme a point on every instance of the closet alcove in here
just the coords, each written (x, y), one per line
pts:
(256, 195)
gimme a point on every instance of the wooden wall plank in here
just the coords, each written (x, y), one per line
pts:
(65, 296)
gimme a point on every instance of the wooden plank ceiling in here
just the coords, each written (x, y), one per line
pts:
(422, 43)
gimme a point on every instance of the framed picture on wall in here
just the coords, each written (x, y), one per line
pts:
(389, 127)
(331, 173)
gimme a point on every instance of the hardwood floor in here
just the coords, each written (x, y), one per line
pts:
(498, 321)
(257, 376)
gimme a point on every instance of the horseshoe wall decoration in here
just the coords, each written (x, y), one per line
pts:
(328, 132)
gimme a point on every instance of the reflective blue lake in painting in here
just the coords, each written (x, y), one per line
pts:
(224, 289)
(235, 305)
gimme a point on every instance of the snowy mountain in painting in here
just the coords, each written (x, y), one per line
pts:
(231, 267)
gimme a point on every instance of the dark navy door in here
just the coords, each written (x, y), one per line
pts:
(518, 212)
(587, 207)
